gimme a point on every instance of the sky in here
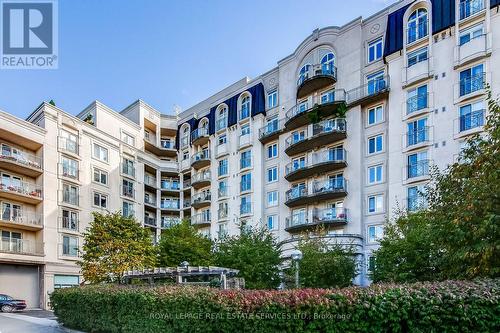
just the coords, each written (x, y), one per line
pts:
(168, 52)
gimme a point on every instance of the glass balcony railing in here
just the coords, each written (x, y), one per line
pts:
(150, 181)
(295, 138)
(470, 7)
(150, 200)
(372, 88)
(151, 221)
(199, 133)
(336, 95)
(170, 204)
(70, 197)
(70, 224)
(472, 120)
(19, 216)
(201, 218)
(169, 221)
(329, 126)
(222, 213)
(417, 103)
(128, 169)
(418, 169)
(23, 188)
(170, 184)
(296, 220)
(203, 155)
(69, 171)
(333, 214)
(20, 246)
(296, 193)
(201, 177)
(167, 144)
(330, 185)
(417, 136)
(201, 197)
(128, 191)
(8, 153)
(473, 83)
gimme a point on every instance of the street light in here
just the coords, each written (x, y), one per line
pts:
(296, 256)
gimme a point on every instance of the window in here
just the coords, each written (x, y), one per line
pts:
(272, 125)
(272, 99)
(11, 212)
(272, 174)
(328, 64)
(185, 155)
(375, 203)
(222, 211)
(223, 189)
(272, 198)
(272, 150)
(375, 83)
(470, 7)
(69, 220)
(417, 56)
(128, 167)
(223, 166)
(222, 139)
(328, 97)
(246, 182)
(245, 107)
(222, 230)
(100, 200)
(70, 194)
(298, 136)
(375, 233)
(471, 116)
(302, 107)
(100, 152)
(272, 222)
(417, 25)
(418, 165)
(245, 205)
(66, 281)
(127, 209)
(303, 74)
(375, 174)
(375, 50)
(472, 79)
(375, 144)
(128, 139)
(416, 99)
(221, 118)
(70, 246)
(376, 115)
(469, 34)
(69, 142)
(371, 263)
(417, 132)
(245, 129)
(100, 176)
(246, 159)
(128, 188)
(416, 198)
(69, 168)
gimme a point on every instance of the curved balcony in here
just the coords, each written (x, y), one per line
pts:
(201, 179)
(375, 90)
(21, 191)
(14, 160)
(316, 77)
(323, 133)
(321, 162)
(322, 190)
(201, 219)
(306, 112)
(199, 136)
(271, 131)
(200, 159)
(328, 217)
(201, 200)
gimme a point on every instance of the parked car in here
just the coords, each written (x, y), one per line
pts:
(9, 304)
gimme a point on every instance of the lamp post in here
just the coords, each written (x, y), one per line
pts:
(296, 256)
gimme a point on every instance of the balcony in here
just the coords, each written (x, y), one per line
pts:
(20, 246)
(417, 104)
(19, 219)
(202, 199)
(170, 185)
(150, 181)
(470, 123)
(199, 136)
(166, 147)
(150, 201)
(201, 179)
(371, 92)
(470, 8)
(307, 112)
(323, 133)
(271, 131)
(322, 190)
(417, 171)
(169, 221)
(70, 198)
(329, 217)
(477, 47)
(316, 77)
(14, 160)
(21, 191)
(201, 220)
(321, 162)
(186, 185)
(200, 159)
(69, 224)
(470, 85)
(128, 192)
(186, 204)
(167, 204)
(68, 146)
(150, 221)
(221, 149)
(417, 138)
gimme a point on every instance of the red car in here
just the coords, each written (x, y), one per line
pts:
(9, 304)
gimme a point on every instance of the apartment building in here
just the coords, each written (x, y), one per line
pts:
(276, 151)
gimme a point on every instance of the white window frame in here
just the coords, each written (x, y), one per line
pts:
(101, 196)
(274, 152)
(272, 99)
(101, 172)
(375, 138)
(377, 203)
(375, 167)
(272, 198)
(373, 43)
(374, 109)
(274, 172)
(378, 234)
(101, 150)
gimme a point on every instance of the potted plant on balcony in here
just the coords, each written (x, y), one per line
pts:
(314, 115)
(89, 119)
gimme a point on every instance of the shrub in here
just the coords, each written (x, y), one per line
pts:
(450, 306)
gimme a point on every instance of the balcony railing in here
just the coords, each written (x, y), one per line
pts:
(471, 84)
(167, 144)
(330, 215)
(326, 69)
(296, 220)
(373, 88)
(149, 200)
(18, 216)
(169, 221)
(271, 128)
(329, 126)
(246, 208)
(221, 123)
(337, 95)
(151, 221)
(415, 203)
(417, 103)
(23, 188)
(201, 218)
(296, 192)
(419, 135)
(222, 213)
(170, 204)
(201, 177)
(245, 185)
(186, 184)
(199, 133)
(294, 139)
(245, 162)
(201, 197)
(170, 184)
(186, 203)
(472, 120)
(69, 171)
(470, 7)
(418, 169)
(150, 181)
(128, 170)
(330, 185)
(9, 153)
(71, 198)
(70, 224)
(128, 191)
(203, 155)
(20, 246)
(68, 145)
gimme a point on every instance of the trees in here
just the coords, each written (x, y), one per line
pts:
(114, 244)
(182, 242)
(325, 266)
(255, 253)
(458, 237)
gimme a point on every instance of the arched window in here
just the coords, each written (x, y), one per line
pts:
(328, 64)
(245, 107)
(204, 126)
(417, 25)
(303, 74)
(185, 136)
(221, 116)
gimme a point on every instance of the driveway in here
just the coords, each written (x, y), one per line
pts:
(30, 321)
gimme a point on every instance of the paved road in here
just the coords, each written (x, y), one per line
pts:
(30, 322)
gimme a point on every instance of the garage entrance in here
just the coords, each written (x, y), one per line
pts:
(21, 282)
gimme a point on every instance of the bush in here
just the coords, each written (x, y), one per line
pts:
(450, 306)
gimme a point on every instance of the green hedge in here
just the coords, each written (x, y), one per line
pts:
(450, 306)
